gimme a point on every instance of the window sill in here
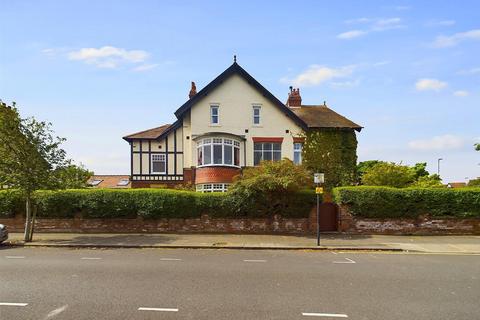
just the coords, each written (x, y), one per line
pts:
(215, 125)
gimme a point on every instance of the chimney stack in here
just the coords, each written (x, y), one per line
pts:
(193, 90)
(294, 98)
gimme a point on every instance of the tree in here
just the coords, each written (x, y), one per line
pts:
(269, 186)
(363, 166)
(474, 182)
(420, 170)
(30, 155)
(389, 174)
(477, 146)
(429, 181)
(71, 176)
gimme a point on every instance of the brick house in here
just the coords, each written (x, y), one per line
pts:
(233, 122)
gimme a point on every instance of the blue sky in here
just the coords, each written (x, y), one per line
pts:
(408, 71)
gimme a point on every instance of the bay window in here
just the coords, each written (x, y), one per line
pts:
(218, 151)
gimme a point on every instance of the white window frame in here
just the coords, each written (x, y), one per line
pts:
(297, 150)
(158, 157)
(259, 108)
(216, 141)
(215, 107)
(262, 150)
(212, 187)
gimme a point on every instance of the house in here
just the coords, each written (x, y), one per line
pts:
(232, 123)
(110, 181)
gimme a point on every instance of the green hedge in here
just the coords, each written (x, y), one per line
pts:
(385, 202)
(147, 203)
(10, 203)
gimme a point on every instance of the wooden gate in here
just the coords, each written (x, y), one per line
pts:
(328, 216)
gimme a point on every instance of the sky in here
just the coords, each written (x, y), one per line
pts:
(408, 71)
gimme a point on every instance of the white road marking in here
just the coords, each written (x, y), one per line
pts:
(15, 257)
(90, 258)
(255, 260)
(348, 261)
(158, 309)
(56, 312)
(170, 259)
(334, 252)
(331, 315)
(13, 304)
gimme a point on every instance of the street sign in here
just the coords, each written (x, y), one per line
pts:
(319, 190)
(318, 178)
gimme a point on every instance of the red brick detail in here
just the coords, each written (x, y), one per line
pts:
(294, 98)
(215, 174)
(188, 175)
(298, 139)
(267, 139)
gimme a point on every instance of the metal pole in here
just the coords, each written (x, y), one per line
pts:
(318, 219)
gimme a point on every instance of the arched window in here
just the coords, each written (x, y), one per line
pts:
(218, 152)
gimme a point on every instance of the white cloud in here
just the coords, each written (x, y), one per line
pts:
(108, 56)
(316, 75)
(430, 84)
(445, 142)
(402, 8)
(461, 93)
(371, 25)
(351, 34)
(440, 23)
(145, 67)
(453, 40)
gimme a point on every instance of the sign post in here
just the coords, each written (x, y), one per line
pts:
(318, 179)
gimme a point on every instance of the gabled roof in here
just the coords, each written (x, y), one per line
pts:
(323, 117)
(236, 69)
(109, 181)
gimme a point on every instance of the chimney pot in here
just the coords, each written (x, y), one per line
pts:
(193, 90)
(294, 98)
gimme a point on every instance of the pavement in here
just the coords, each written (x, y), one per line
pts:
(329, 241)
(143, 284)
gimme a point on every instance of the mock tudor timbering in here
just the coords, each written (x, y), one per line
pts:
(232, 123)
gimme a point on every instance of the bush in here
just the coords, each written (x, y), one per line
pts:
(154, 204)
(10, 203)
(385, 202)
(474, 182)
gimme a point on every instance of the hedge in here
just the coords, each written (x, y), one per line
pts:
(146, 203)
(385, 202)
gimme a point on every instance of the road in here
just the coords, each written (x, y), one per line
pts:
(46, 283)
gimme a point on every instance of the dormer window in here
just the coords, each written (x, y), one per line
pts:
(214, 116)
(256, 115)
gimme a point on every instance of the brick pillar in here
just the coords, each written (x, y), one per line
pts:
(346, 221)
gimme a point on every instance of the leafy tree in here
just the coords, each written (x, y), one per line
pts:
(429, 181)
(477, 146)
(389, 174)
(474, 182)
(30, 155)
(269, 186)
(420, 170)
(71, 176)
(363, 166)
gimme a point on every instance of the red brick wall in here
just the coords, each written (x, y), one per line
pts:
(422, 225)
(215, 174)
(203, 224)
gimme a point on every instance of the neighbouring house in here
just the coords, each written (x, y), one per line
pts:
(232, 123)
(109, 181)
(456, 185)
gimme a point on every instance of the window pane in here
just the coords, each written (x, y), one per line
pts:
(217, 154)
(199, 156)
(277, 146)
(297, 146)
(257, 146)
(267, 155)
(257, 157)
(297, 157)
(207, 154)
(228, 154)
(256, 120)
(277, 155)
(236, 160)
(214, 119)
(267, 146)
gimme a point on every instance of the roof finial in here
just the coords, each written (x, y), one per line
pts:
(324, 103)
(234, 58)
